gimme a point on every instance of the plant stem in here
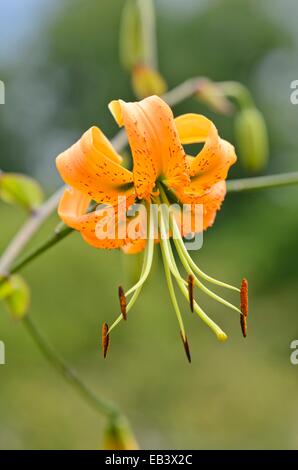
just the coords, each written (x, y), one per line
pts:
(59, 235)
(238, 92)
(30, 227)
(101, 405)
(147, 16)
(262, 182)
(183, 91)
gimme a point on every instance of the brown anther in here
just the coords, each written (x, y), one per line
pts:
(244, 306)
(243, 324)
(244, 297)
(105, 339)
(122, 300)
(186, 347)
(191, 286)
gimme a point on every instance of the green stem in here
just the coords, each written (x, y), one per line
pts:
(30, 227)
(172, 290)
(238, 92)
(263, 182)
(147, 15)
(99, 404)
(59, 235)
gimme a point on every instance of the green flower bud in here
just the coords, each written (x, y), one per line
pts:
(131, 46)
(119, 436)
(252, 139)
(15, 293)
(21, 190)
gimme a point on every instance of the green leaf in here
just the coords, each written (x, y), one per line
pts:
(16, 295)
(21, 190)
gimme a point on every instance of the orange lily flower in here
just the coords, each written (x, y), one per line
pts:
(162, 173)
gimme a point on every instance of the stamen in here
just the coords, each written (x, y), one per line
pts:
(189, 264)
(221, 336)
(146, 267)
(243, 324)
(149, 250)
(191, 285)
(200, 284)
(186, 347)
(173, 299)
(244, 306)
(164, 241)
(178, 241)
(105, 339)
(244, 297)
(122, 300)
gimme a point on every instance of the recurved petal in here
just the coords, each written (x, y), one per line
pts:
(213, 162)
(92, 166)
(210, 202)
(72, 208)
(134, 247)
(193, 128)
(99, 228)
(154, 142)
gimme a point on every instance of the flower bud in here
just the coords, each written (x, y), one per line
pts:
(130, 35)
(15, 293)
(118, 436)
(147, 81)
(252, 139)
(20, 189)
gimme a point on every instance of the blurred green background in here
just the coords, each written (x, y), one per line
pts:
(59, 61)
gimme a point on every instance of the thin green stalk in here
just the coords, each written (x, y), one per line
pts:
(198, 283)
(166, 248)
(165, 244)
(132, 300)
(59, 235)
(262, 182)
(172, 291)
(220, 334)
(238, 92)
(181, 250)
(147, 15)
(149, 251)
(101, 405)
(146, 267)
(178, 241)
